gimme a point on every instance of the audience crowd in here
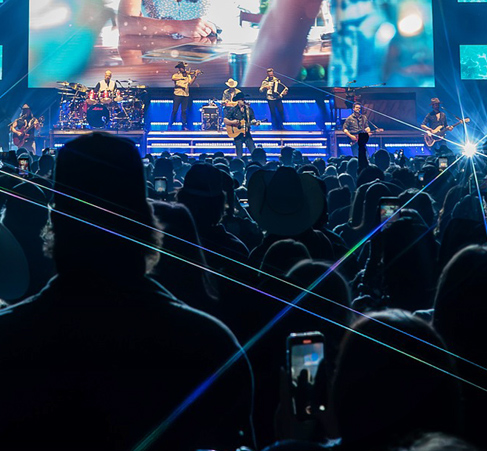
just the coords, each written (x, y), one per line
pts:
(146, 302)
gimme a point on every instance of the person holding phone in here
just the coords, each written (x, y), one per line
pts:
(355, 124)
(275, 91)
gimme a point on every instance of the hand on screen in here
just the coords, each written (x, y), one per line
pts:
(195, 28)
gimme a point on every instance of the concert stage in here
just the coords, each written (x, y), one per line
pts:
(311, 128)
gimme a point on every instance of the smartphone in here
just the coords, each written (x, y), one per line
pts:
(304, 353)
(244, 203)
(442, 163)
(145, 162)
(388, 206)
(23, 167)
(160, 185)
(421, 176)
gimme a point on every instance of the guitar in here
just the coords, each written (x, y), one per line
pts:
(439, 132)
(235, 130)
(20, 140)
(372, 132)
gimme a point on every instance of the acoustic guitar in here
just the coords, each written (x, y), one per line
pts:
(20, 140)
(439, 132)
(372, 132)
(235, 130)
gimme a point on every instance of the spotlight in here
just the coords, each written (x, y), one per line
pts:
(469, 149)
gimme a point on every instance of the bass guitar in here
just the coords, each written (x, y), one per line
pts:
(235, 130)
(439, 132)
(20, 140)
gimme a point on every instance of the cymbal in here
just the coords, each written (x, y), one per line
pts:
(140, 87)
(66, 93)
(128, 81)
(78, 87)
(63, 83)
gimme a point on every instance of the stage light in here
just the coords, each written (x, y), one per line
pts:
(469, 149)
(411, 25)
(385, 33)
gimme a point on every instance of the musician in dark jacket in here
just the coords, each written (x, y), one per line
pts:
(275, 91)
(435, 118)
(234, 117)
(24, 128)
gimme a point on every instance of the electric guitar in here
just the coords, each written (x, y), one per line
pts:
(439, 132)
(235, 130)
(19, 140)
(372, 132)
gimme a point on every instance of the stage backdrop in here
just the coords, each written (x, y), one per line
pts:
(369, 41)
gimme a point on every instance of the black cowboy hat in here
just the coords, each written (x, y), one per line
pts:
(181, 65)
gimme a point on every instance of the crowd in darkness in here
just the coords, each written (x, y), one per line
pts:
(146, 301)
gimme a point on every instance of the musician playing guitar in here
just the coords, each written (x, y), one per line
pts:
(23, 130)
(435, 120)
(354, 124)
(240, 117)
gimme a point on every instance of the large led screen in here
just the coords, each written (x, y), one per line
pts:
(473, 62)
(315, 42)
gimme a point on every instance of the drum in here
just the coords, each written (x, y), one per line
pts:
(78, 109)
(92, 98)
(106, 97)
(118, 95)
(98, 116)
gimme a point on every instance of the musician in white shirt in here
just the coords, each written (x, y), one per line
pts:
(107, 84)
(275, 90)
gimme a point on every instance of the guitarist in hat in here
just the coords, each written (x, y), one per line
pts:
(23, 130)
(239, 119)
(435, 119)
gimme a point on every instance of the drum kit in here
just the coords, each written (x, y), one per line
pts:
(84, 108)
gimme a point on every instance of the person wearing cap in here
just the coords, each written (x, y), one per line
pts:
(23, 130)
(434, 119)
(275, 91)
(229, 94)
(242, 116)
(104, 354)
(182, 80)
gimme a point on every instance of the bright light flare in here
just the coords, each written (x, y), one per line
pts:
(469, 149)
(411, 25)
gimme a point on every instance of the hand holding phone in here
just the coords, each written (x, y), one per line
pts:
(388, 206)
(304, 354)
(23, 167)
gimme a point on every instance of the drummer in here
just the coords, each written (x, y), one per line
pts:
(107, 84)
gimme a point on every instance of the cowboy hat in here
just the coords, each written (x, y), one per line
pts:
(181, 65)
(239, 96)
(284, 202)
(231, 83)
